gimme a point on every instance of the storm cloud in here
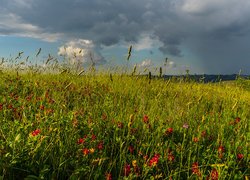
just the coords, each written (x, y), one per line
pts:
(216, 32)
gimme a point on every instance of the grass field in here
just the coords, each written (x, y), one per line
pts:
(102, 126)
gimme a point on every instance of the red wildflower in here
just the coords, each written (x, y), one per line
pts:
(195, 169)
(214, 175)
(237, 120)
(221, 149)
(196, 139)
(36, 132)
(204, 133)
(171, 157)
(93, 137)
(240, 156)
(85, 151)
(80, 141)
(120, 125)
(154, 160)
(41, 107)
(169, 131)
(145, 119)
(1, 106)
(100, 145)
(131, 149)
(108, 176)
(127, 170)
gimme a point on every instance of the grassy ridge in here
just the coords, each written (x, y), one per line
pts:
(97, 126)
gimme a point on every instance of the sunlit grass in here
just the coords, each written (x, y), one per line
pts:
(64, 126)
(60, 121)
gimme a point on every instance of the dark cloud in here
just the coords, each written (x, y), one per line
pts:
(173, 50)
(105, 22)
(216, 32)
(234, 30)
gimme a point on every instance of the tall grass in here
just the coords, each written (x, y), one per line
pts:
(117, 126)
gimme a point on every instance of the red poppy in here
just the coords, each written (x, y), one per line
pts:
(237, 120)
(85, 151)
(93, 137)
(214, 175)
(169, 131)
(195, 169)
(196, 139)
(221, 149)
(127, 170)
(80, 141)
(100, 145)
(131, 149)
(36, 132)
(108, 176)
(240, 156)
(145, 119)
(154, 160)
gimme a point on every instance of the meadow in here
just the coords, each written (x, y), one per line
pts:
(119, 126)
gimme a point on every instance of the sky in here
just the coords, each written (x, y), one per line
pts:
(204, 36)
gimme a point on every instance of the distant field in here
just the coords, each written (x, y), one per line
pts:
(115, 126)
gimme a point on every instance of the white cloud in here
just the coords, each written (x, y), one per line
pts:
(197, 6)
(146, 63)
(170, 64)
(11, 24)
(215, 13)
(146, 42)
(81, 51)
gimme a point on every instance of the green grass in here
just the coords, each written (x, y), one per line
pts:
(129, 128)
